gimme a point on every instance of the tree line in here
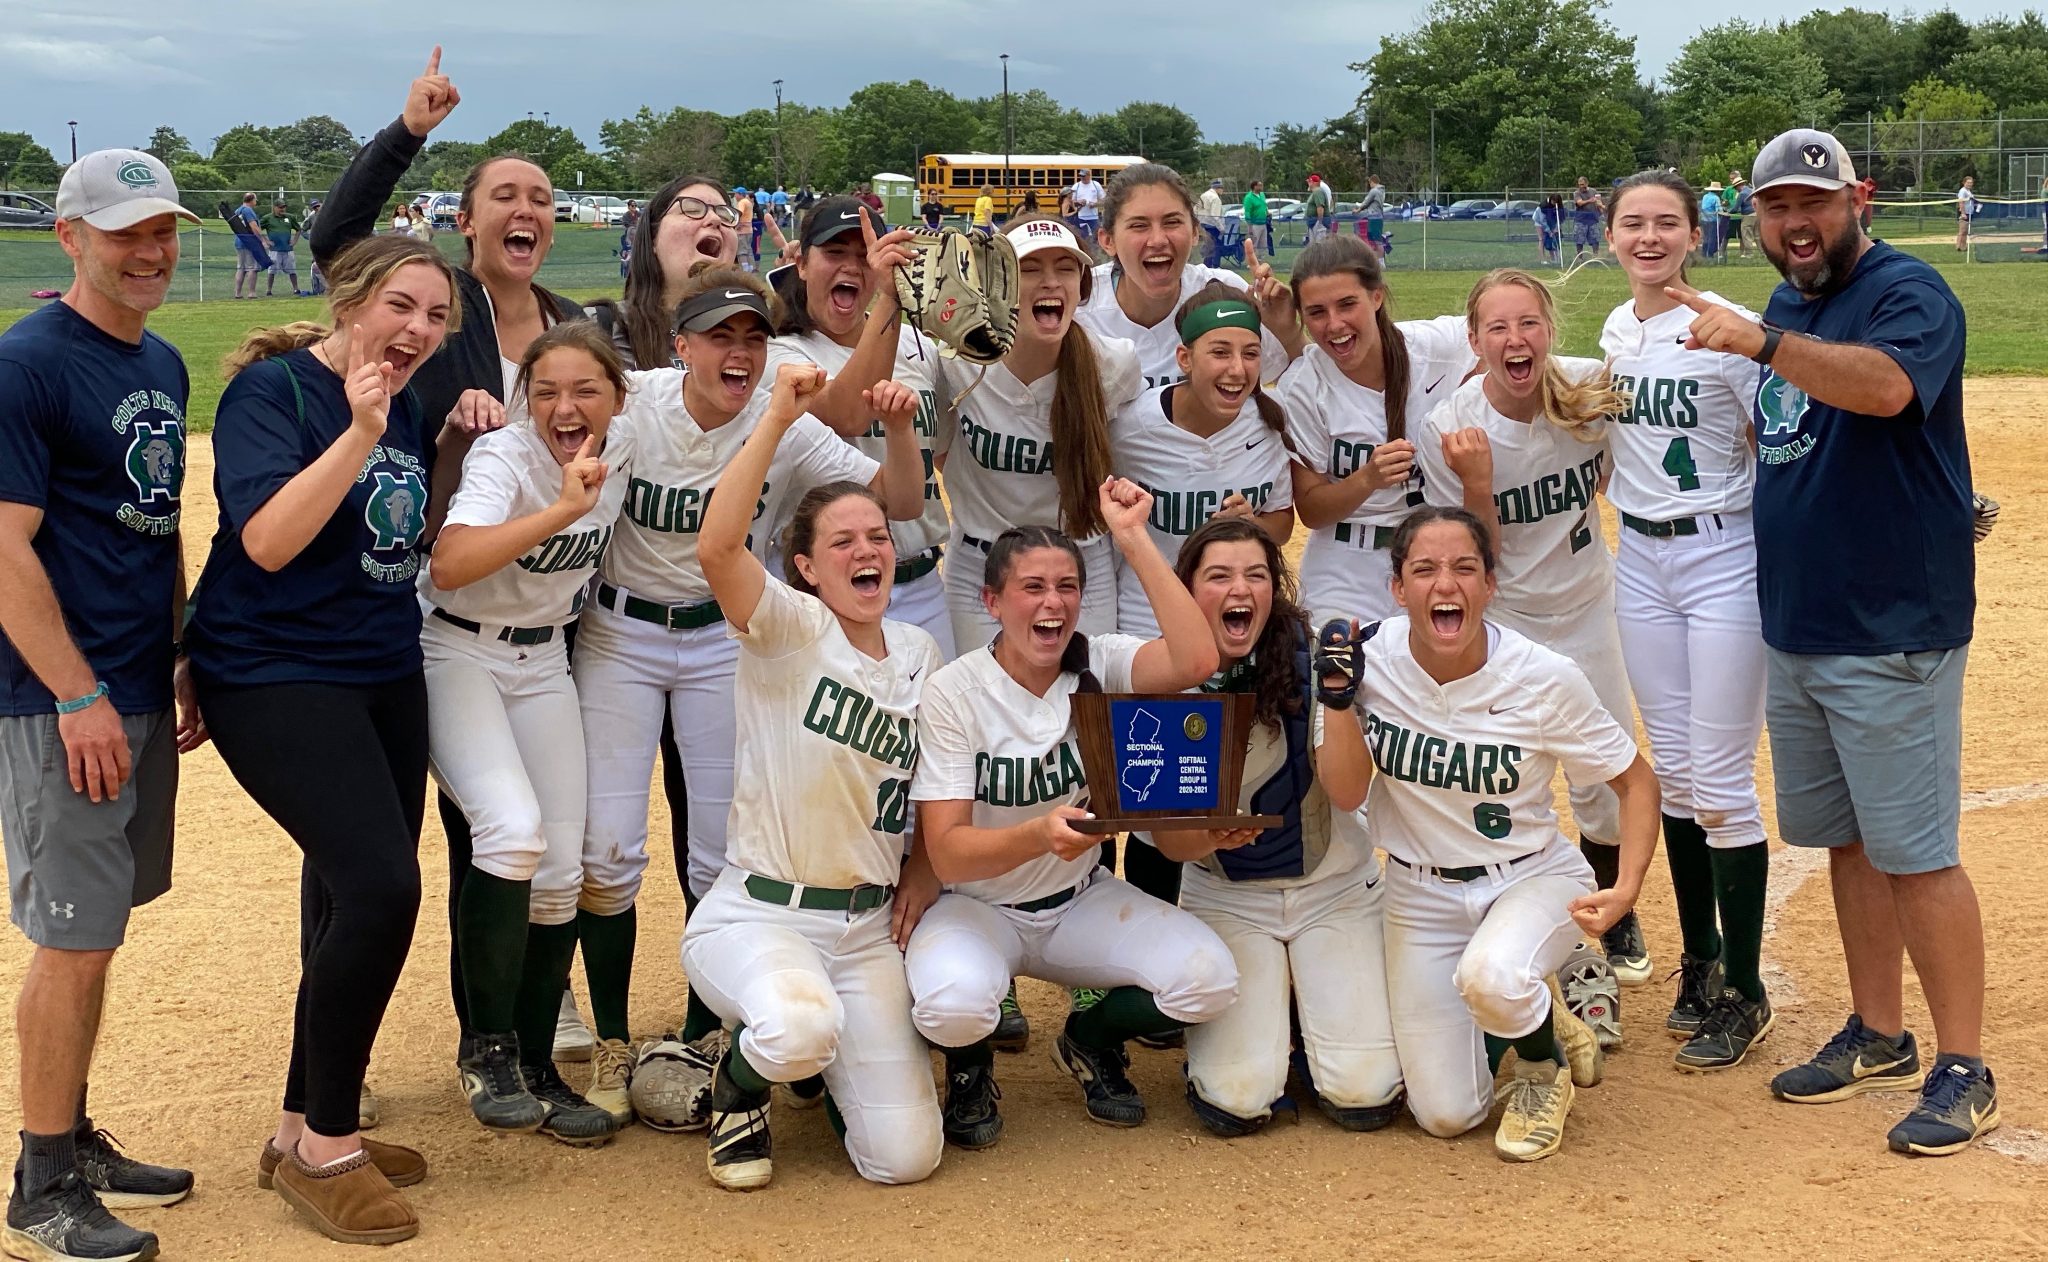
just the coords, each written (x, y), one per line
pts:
(1481, 94)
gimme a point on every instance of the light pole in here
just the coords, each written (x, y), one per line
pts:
(74, 140)
(1260, 134)
(778, 133)
(1006, 135)
(1141, 140)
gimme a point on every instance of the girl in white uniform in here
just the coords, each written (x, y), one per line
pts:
(1690, 632)
(528, 525)
(1298, 904)
(1524, 447)
(1030, 443)
(999, 786)
(798, 943)
(1149, 230)
(1212, 444)
(827, 320)
(653, 636)
(1465, 722)
(1352, 399)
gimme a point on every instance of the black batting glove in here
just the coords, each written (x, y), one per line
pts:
(1338, 659)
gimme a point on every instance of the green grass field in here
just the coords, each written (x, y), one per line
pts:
(2002, 302)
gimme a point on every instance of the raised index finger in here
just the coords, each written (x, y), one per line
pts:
(434, 61)
(867, 228)
(355, 349)
(1687, 295)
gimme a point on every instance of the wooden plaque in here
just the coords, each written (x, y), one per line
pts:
(1163, 762)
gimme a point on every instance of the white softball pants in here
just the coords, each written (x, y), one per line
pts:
(1466, 958)
(626, 671)
(1589, 637)
(1346, 580)
(1322, 943)
(922, 603)
(964, 953)
(966, 566)
(505, 741)
(823, 992)
(1693, 639)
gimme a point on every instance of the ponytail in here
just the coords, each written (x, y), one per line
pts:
(262, 344)
(1576, 407)
(1080, 434)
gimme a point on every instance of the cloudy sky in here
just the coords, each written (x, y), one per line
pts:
(120, 67)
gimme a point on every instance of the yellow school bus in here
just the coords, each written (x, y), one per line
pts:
(956, 179)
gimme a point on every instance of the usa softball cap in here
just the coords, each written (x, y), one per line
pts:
(1047, 234)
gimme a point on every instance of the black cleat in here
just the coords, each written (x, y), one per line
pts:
(66, 1222)
(122, 1182)
(1700, 983)
(571, 1119)
(498, 1097)
(741, 1152)
(1105, 1082)
(1013, 1028)
(1626, 951)
(1732, 1026)
(971, 1120)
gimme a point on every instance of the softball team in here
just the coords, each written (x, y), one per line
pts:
(1000, 787)
(1691, 633)
(1524, 447)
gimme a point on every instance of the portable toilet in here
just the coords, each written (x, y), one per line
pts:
(899, 197)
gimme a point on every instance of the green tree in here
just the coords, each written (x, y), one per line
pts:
(316, 139)
(246, 159)
(748, 154)
(1940, 38)
(1938, 134)
(653, 149)
(195, 175)
(811, 149)
(26, 164)
(168, 145)
(544, 143)
(886, 126)
(2005, 74)
(1750, 119)
(1868, 57)
(597, 170)
(442, 165)
(1605, 142)
(1288, 151)
(1339, 166)
(1737, 59)
(1038, 124)
(1524, 153)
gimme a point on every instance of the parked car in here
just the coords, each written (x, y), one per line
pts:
(599, 210)
(1468, 208)
(565, 207)
(1277, 209)
(19, 210)
(1520, 208)
(441, 209)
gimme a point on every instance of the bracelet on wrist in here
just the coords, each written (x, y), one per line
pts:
(85, 702)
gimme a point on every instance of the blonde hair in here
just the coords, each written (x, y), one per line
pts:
(356, 275)
(1577, 407)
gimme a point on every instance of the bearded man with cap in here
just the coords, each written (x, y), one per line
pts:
(95, 704)
(1867, 581)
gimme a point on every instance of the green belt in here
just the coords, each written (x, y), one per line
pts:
(1458, 874)
(1047, 903)
(674, 617)
(1382, 536)
(510, 635)
(917, 567)
(1676, 527)
(818, 897)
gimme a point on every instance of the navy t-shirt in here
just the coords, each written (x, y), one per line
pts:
(343, 611)
(1863, 524)
(92, 432)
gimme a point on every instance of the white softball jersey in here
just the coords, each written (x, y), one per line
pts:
(1336, 424)
(508, 474)
(987, 739)
(675, 467)
(1681, 449)
(1333, 841)
(1553, 558)
(916, 367)
(826, 745)
(1464, 769)
(1189, 477)
(1158, 344)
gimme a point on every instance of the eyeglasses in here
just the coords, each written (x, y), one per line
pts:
(697, 208)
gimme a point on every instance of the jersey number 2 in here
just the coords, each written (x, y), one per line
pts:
(1492, 820)
(1678, 463)
(892, 807)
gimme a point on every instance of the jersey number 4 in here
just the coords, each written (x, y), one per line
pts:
(1678, 463)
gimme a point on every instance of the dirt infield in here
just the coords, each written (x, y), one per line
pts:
(1656, 1164)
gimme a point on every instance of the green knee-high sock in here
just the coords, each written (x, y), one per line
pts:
(1740, 877)
(1606, 861)
(490, 928)
(1692, 885)
(608, 963)
(1496, 1051)
(1539, 1043)
(550, 950)
(740, 1072)
(698, 1018)
(1127, 1012)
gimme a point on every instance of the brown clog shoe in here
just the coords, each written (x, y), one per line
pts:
(403, 1166)
(351, 1202)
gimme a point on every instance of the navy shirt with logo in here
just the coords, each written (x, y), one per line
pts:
(343, 611)
(1863, 523)
(92, 432)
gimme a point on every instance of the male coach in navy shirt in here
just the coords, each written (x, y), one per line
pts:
(92, 584)
(1867, 579)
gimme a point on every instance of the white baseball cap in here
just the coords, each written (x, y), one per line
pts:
(1047, 234)
(118, 188)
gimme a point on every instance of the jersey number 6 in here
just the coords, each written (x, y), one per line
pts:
(1492, 820)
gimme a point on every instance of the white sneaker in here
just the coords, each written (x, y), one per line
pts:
(671, 1089)
(573, 1039)
(611, 1079)
(367, 1108)
(1539, 1098)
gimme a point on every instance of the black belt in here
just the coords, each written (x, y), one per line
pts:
(914, 568)
(1677, 527)
(674, 617)
(510, 635)
(1047, 903)
(973, 542)
(818, 897)
(1458, 874)
(1382, 536)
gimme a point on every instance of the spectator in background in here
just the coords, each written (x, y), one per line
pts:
(1067, 208)
(1209, 213)
(743, 202)
(1372, 215)
(1029, 206)
(1550, 229)
(1088, 206)
(1256, 218)
(1587, 208)
(985, 207)
(247, 224)
(933, 211)
(318, 284)
(1710, 220)
(1320, 204)
(283, 231)
(1736, 209)
(401, 221)
(870, 199)
(1966, 210)
(632, 219)
(778, 204)
(1869, 187)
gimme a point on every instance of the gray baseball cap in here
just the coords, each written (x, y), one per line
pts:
(118, 188)
(1803, 156)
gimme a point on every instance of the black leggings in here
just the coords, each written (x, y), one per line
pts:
(343, 770)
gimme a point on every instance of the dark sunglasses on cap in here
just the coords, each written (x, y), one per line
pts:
(697, 208)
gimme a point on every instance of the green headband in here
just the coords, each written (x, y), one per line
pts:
(1238, 313)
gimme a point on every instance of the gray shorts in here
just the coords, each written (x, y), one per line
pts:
(286, 261)
(1870, 749)
(75, 868)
